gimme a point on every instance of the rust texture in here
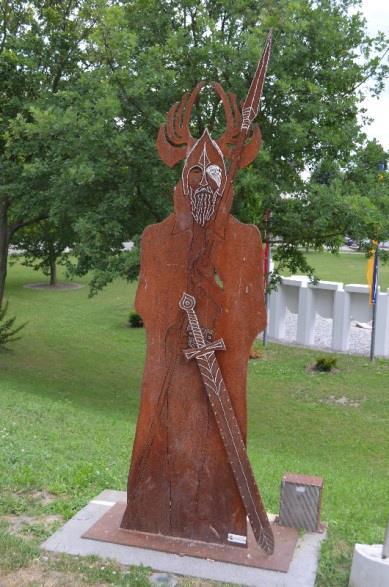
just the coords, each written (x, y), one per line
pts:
(181, 482)
(303, 479)
(107, 529)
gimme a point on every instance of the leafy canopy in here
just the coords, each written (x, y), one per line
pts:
(82, 142)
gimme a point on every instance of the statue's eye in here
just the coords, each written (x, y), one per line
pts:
(195, 175)
(215, 173)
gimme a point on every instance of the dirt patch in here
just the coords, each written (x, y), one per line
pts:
(314, 371)
(18, 524)
(44, 497)
(343, 401)
(36, 576)
(40, 496)
(58, 287)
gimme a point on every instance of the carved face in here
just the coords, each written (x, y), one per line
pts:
(204, 178)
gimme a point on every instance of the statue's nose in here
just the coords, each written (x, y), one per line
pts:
(203, 182)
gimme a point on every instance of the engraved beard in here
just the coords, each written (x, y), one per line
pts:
(203, 180)
(203, 202)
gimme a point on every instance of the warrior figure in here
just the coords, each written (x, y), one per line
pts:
(180, 481)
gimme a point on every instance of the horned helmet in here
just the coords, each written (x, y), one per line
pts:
(204, 175)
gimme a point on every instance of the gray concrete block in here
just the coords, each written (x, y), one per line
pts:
(302, 571)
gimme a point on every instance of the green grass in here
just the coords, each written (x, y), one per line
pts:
(69, 393)
(344, 267)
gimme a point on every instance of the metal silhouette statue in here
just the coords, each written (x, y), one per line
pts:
(200, 295)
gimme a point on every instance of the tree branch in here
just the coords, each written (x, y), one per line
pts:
(370, 74)
(193, 14)
(123, 96)
(158, 217)
(15, 226)
(62, 60)
(5, 14)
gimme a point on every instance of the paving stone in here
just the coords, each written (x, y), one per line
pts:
(163, 579)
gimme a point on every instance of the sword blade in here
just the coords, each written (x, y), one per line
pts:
(236, 451)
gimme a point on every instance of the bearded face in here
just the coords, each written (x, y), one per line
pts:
(204, 178)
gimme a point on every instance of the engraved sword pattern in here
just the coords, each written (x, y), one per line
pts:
(228, 425)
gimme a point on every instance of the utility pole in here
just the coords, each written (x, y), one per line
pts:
(266, 270)
(373, 301)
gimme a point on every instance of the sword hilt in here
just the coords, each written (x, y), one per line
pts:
(216, 345)
(188, 303)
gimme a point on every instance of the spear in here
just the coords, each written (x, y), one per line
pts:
(249, 112)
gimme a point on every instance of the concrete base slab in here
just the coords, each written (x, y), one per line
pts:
(68, 539)
(108, 529)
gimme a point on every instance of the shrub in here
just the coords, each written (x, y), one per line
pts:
(325, 364)
(7, 332)
(135, 320)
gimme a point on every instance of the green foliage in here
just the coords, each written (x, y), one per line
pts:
(7, 331)
(135, 320)
(325, 364)
(15, 552)
(40, 55)
(79, 120)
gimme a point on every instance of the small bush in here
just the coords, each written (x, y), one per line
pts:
(7, 332)
(135, 321)
(325, 364)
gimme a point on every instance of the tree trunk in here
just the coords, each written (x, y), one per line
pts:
(53, 268)
(4, 241)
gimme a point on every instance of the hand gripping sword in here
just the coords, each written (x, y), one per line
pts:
(228, 426)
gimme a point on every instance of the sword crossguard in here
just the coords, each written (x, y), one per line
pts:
(215, 345)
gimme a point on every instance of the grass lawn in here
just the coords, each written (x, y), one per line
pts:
(345, 267)
(69, 393)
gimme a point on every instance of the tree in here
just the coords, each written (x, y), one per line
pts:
(40, 53)
(153, 51)
(88, 169)
(367, 185)
(44, 245)
(91, 144)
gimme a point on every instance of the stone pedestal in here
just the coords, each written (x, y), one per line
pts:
(69, 539)
(368, 568)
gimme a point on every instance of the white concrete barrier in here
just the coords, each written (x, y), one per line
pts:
(368, 568)
(343, 304)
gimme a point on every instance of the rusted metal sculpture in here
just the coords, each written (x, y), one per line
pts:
(190, 476)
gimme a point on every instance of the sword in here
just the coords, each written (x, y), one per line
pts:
(228, 425)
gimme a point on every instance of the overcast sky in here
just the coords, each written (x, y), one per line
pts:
(377, 15)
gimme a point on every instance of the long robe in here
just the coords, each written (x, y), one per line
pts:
(180, 482)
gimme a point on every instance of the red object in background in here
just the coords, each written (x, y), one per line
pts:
(266, 264)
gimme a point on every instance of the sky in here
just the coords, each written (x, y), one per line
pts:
(376, 13)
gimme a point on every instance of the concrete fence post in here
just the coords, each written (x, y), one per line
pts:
(306, 316)
(341, 321)
(381, 347)
(277, 313)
